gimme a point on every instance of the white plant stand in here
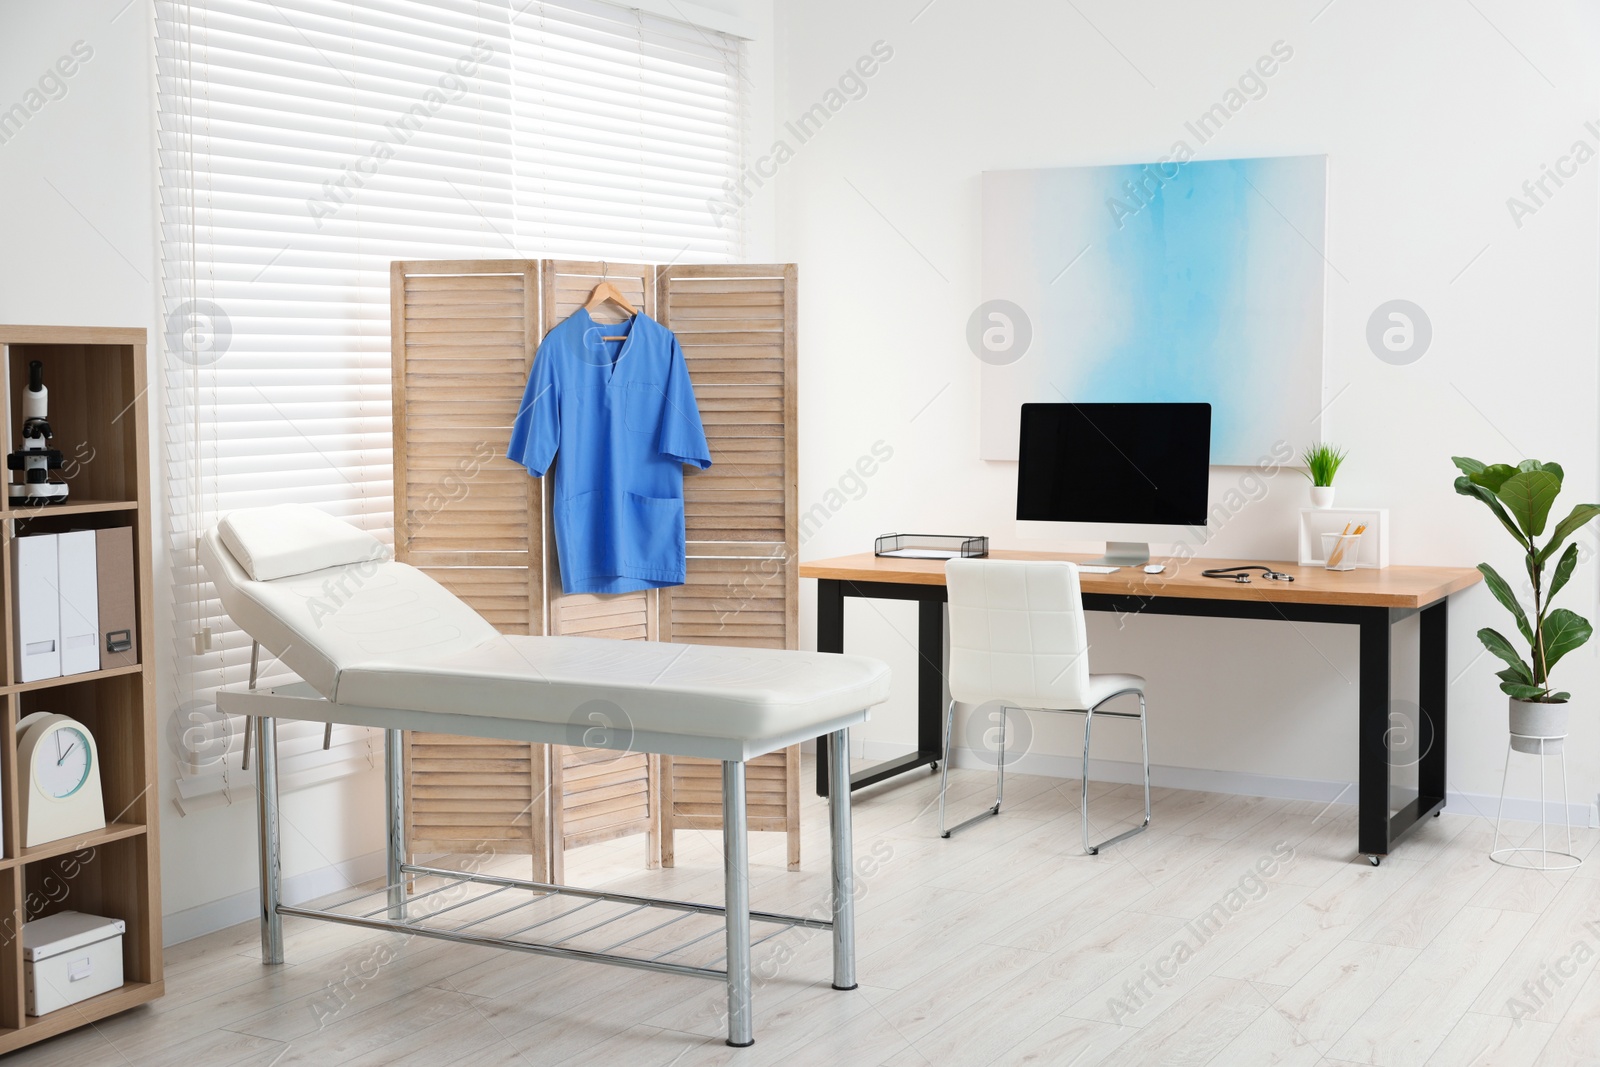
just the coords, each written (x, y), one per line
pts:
(1373, 548)
(1526, 857)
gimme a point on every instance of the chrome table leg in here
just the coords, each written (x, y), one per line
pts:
(395, 796)
(266, 735)
(736, 873)
(844, 900)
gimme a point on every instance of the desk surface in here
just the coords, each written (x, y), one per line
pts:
(1391, 587)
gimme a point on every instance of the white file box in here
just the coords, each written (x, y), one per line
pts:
(35, 560)
(80, 602)
(68, 957)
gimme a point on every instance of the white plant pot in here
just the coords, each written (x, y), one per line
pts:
(1322, 496)
(1534, 720)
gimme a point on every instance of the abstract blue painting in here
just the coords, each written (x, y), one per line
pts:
(1158, 282)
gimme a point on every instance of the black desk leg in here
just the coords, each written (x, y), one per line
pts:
(830, 638)
(1433, 692)
(1378, 831)
(930, 680)
(1373, 715)
(930, 673)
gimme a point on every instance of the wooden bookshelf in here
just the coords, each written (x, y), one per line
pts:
(100, 417)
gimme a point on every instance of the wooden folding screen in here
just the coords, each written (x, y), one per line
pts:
(464, 334)
(737, 328)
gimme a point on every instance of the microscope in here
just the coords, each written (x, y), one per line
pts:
(36, 459)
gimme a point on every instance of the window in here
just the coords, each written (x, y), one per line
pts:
(304, 145)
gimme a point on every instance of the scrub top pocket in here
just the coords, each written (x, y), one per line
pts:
(641, 411)
(656, 528)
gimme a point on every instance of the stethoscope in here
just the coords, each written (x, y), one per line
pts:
(1236, 574)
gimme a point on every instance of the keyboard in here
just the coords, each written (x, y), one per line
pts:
(1089, 568)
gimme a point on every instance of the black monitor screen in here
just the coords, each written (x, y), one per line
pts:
(1114, 463)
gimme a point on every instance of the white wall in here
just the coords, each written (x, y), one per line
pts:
(1431, 117)
(77, 180)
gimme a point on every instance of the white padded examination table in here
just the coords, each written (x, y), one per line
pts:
(378, 643)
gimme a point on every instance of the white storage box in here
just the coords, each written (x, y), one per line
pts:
(68, 957)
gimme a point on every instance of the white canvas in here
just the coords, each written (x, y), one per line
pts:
(1200, 281)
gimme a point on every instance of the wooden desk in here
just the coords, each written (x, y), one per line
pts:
(1371, 600)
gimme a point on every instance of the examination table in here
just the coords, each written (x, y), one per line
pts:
(380, 644)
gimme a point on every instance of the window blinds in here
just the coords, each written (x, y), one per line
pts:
(306, 143)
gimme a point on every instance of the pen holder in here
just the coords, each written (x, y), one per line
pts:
(1341, 551)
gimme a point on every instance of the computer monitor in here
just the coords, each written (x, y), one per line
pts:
(1140, 465)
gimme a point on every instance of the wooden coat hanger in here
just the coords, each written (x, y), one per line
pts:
(606, 291)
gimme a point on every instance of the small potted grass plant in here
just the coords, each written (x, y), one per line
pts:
(1521, 497)
(1322, 463)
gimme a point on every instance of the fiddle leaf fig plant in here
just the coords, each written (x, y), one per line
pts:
(1521, 498)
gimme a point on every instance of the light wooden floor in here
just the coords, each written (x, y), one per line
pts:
(1003, 945)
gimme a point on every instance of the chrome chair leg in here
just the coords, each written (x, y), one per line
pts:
(944, 781)
(1088, 723)
(944, 764)
(1144, 742)
(1000, 764)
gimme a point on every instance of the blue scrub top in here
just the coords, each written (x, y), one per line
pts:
(623, 417)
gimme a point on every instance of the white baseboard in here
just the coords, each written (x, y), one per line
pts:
(1519, 809)
(190, 923)
(1240, 783)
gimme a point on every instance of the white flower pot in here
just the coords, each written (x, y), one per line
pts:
(1534, 720)
(1322, 496)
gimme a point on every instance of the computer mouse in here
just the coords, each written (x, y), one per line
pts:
(1154, 568)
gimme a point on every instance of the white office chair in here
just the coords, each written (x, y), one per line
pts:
(1017, 636)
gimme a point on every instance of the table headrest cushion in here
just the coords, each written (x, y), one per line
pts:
(288, 539)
